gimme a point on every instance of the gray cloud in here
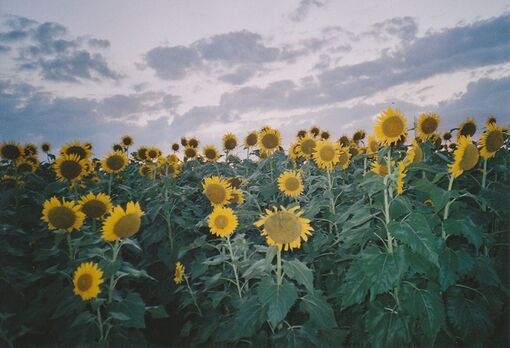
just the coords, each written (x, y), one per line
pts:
(405, 28)
(172, 63)
(304, 7)
(98, 43)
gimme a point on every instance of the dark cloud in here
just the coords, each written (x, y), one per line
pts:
(4, 48)
(172, 63)
(241, 75)
(99, 43)
(304, 7)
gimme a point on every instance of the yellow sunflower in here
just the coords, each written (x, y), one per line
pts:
(294, 152)
(190, 152)
(87, 278)
(315, 131)
(76, 148)
(71, 167)
(210, 153)
(373, 145)
(95, 206)
(491, 140)
(344, 141)
(390, 126)
(147, 170)
(306, 146)
(269, 140)
(251, 139)
(153, 153)
(229, 142)
(465, 156)
(63, 215)
(217, 190)
(285, 228)
(402, 172)
(179, 273)
(122, 223)
(114, 162)
(27, 165)
(117, 147)
(301, 133)
(414, 153)
(222, 221)
(291, 183)
(427, 125)
(467, 128)
(358, 136)
(381, 168)
(326, 154)
(10, 150)
(237, 197)
(127, 141)
(325, 135)
(344, 158)
(45, 147)
(175, 147)
(141, 153)
(29, 150)
(491, 119)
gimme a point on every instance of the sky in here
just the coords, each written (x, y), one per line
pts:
(158, 70)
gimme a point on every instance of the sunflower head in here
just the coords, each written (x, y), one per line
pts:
(344, 157)
(175, 147)
(217, 190)
(153, 153)
(491, 141)
(325, 135)
(10, 150)
(117, 147)
(71, 167)
(222, 222)
(381, 168)
(344, 141)
(76, 148)
(87, 278)
(190, 152)
(179, 273)
(147, 170)
(301, 133)
(326, 154)
(184, 141)
(427, 125)
(127, 140)
(122, 223)
(45, 147)
(29, 150)
(447, 136)
(269, 140)
(114, 162)
(307, 146)
(294, 151)
(291, 183)
(235, 182)
(373, 145)
(62, 215)
(27, 165)
(466, 156)
(358, 136)
(95, 206)
(315, 131)
(210, 153)
(402, 172)
(251, 140)
(141, 153)
(414, 153)
(285, 228)
(237, 197)
(390, 126)
(491, 119)
(467, 128)
(229, 142)
(193, 142)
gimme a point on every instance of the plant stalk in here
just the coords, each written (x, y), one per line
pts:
(234, 267)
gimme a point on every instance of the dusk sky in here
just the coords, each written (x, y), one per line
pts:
(158, 70)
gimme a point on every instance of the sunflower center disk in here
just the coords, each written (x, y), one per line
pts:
(221, 221)
(494, 141)
(327, 153)
(94, 209)
(270, 141)
(127, 225)
(190, 153)
(70, 169)
(292, 184)
(383, 170)
(77, 150)
(469, 129)
(215, 193)
(283, 228)
(210, 154)
(251, 139)
(115, 162)
(393, 127)
(230, 144)
(10, 152)
(62, 217)
(308, 146)
(84, 282)
(470, 157)
(429, 126)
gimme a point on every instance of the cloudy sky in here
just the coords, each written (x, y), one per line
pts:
(158, 70)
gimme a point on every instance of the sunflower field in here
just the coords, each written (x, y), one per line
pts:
(400, 239)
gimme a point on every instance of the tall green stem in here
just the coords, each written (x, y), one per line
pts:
(100, 325)
(484, 181)
(110, 184)
(70, 246)
(447, 207)
(388, 163)
(115, 252)
(234, 267)
(387, 214)
(278, 266)
(192, 293)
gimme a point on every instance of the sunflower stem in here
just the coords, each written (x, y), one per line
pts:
(100, 325)
(447, 207)
(110, 184)
(115, 252)
(389, 244)
(331, 199)
(70, 246)
(279, 277)
(484, 181)
(192, 293)
(234, 267)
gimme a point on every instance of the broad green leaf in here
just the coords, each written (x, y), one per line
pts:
(319, 310)
(464, 226)
(298, 271)
(157, 312)
(447, 268)
(355, 286)
(247, 320)
(385, 327)
(279, 299)
(381, 269)
(134, 308)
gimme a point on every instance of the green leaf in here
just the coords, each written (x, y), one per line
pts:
(247, 320)
(385, 327)
(298, 271)
(83, 318)
(464, 226)
(319, 310)
(381, 269)
(355, 286)
(134, 308)
(157, 312)
(279, 299)
(447, 268)
(416, 233)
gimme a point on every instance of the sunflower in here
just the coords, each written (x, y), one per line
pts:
(414, 153)
(237, 197)
(30, 150)
(229, 142)
(285, 228)
(179, 273)
(235, 182)
(291, 183)
(307, 146)
(358, 136)
(294, 152)
(467, 128)
(217, 190)
(325, 135)
(466, 156)
(402, 172)
(301, 133)
(381, 168)
(491, 119)
(27, 165)
(427, 125)
(447, 136)
(127, 141)
(147, 170)
(76, 148)
(141, 153)
(190, 152)
(344, 141)
(222, 222)
(122, 223)
(344, 158)
(184, 141)
(45, 147)
(87, 278)
(175, 147)
(373, 145)
(390, 126)
(491, 140)
(315, 131)
(326, 154)
(251, 139)
(10, 150)
(269, 140)
(153, 153)
(114, 162)
(210, 153)
(63, 215)
(71, 167)
(95, 206)
(117, 147)
(193, 142)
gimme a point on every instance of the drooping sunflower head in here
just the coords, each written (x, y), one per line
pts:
(141, 153)
(62, 215)
(358, 136)
(179, 273)
(414, 153)
(127, 140)
(190, 152)
(114, 162)
(87, 278)
(27, 165)
(325, 135)
(117, 147)
(307, 146)
(193, 142)
(467, 128)
(491, 119)
(251, 139)
(175, 147)
(381, 168)
(294, 151)
(491, 140)
(344, 141)
(402, 172)
(269, 140)
(465, 156)
(315, 131)
(71, 167)
(285, 228)
(447, 136)
(29, 150)
(373, 145)
(76, 148)
(222, 221)
(427, 125)
(229, 142)
(390, 126)
(10, 150)
(122, 223)
(210, 153)
(217, 190)
(95, 206)
(326, 154)
(291, 183)
(184, 141)
(45, 147)
(237, 197)
(301, 133)
(344, 157)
